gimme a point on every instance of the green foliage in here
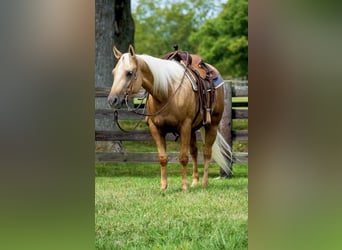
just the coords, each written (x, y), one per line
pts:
(224, 40)
(161, 24)
(131, 212)
(221, 41)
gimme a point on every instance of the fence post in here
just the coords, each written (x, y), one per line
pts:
(226, 123)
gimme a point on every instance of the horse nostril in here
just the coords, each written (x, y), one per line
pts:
(113, 100)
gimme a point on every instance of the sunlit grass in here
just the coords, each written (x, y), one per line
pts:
(131, 212)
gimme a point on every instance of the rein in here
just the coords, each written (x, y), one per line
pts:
(135, 110)
(116, 115)
(116, 120)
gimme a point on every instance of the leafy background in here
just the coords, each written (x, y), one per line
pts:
(216, 30)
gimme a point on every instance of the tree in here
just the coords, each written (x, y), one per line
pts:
(161, 24)
(223, 41)
(114, 25)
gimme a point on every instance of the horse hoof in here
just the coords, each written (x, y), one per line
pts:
(194, 183)
(205, 184)
(163, 187)
(185, 186)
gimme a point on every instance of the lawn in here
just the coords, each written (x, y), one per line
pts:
(132, 213)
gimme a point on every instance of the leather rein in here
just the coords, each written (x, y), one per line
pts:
(146, 95)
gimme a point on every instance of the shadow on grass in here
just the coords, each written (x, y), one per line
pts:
(212, 188)
(149, 170)
(152, 171)
(126, 169)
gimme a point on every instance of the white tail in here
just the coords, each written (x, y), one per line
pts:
(221, 152)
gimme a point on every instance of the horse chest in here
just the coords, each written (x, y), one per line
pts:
(165, 121)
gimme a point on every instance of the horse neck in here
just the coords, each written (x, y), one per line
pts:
(147, 79)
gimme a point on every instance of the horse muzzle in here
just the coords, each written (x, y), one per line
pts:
(116, 101)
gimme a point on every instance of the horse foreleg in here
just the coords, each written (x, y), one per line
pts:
(163, 176)
(163, 160)
(184, 151)
(194, 153)
(210, 136)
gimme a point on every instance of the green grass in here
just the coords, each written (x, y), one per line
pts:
(131, 212)
(240, 99)
(149, 146)
(240, 124)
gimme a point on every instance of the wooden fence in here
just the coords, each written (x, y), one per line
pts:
(106, 130)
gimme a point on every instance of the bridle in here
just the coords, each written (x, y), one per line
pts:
(133, 76)
(129, 90)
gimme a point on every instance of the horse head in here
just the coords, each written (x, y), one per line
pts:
(126, 78)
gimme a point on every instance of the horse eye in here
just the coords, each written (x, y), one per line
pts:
(129, 73)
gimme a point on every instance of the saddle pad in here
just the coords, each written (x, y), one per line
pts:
(217, 82)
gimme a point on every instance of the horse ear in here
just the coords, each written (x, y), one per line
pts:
(131, 50)
(117, 53)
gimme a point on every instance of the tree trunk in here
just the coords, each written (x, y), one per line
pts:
(123, 25)
(114, 25)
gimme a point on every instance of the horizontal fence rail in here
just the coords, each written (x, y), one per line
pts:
(106, 130)
(128, 115)
(239, 157)
(239, 135)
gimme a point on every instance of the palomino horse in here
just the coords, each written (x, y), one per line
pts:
(171, 107)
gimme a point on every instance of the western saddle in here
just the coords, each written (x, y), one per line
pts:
(203, 75)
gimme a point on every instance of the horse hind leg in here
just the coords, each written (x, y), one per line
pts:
(210, 136)
(185, 136)
(194, 153)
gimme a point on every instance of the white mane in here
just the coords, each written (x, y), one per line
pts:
(164, 73)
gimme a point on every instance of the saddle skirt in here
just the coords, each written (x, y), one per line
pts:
(217, 81)
(204, 79)
(195, 68)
